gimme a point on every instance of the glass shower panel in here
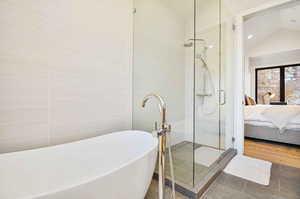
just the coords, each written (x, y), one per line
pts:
(207, 148)
(160, 67)
(211, 117)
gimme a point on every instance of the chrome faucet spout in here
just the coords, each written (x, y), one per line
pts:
(161, 105)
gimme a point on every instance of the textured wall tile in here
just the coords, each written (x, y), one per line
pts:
(65, 71)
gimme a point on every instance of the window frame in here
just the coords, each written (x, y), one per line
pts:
(282, 79)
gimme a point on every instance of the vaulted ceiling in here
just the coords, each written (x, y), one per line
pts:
(266, 23)
(236, 6)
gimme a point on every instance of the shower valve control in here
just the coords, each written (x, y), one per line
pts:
(166, 128)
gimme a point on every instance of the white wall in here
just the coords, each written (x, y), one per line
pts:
(65, 70)
(159, 65)
(281, 41)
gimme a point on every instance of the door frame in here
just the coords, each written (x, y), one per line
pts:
(239, 72)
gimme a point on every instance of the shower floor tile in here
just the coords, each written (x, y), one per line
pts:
(183, 164)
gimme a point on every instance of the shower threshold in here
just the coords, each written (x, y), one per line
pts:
(187, 184)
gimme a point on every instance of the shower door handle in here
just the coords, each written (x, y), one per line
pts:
(222, 94)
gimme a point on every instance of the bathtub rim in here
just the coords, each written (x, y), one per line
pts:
(93, 178)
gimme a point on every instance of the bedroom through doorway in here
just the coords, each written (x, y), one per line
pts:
(271, 40)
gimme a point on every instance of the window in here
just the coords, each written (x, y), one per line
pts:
(268, 81)
(292, 84)
(283, 82)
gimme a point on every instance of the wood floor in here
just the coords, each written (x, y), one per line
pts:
(273, 152)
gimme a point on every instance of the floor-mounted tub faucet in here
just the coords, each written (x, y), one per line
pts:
(162, 139)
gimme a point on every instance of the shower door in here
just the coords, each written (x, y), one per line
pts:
(212, 90)
(160, 67)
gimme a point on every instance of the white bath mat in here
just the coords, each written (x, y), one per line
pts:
(206, 155)
(258, 171)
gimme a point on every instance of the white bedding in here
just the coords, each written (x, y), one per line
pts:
(295, 127)
(255, 115)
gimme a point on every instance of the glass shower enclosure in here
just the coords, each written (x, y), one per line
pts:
(181, 53)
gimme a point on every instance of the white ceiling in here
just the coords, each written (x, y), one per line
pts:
(185, 8)
(236, 6)
(264, 24)
(290, 18)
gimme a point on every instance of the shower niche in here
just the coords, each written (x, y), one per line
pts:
(182, 52)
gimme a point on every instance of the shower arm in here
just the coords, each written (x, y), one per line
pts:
(190, 44)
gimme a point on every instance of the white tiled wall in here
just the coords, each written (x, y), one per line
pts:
(65, 70)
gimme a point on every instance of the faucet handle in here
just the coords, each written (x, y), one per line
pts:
(169, 127)
(155, 126)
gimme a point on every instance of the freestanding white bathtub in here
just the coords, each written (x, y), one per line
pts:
(115, 166)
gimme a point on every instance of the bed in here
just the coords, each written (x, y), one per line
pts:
(279, 123)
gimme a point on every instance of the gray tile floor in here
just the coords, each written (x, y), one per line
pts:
(284, 184)
(183, 164)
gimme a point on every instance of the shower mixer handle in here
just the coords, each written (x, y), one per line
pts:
(155, 126)
(169, 127)
(166, 128)
(222, 94)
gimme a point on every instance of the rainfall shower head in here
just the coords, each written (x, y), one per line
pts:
(190, 42)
